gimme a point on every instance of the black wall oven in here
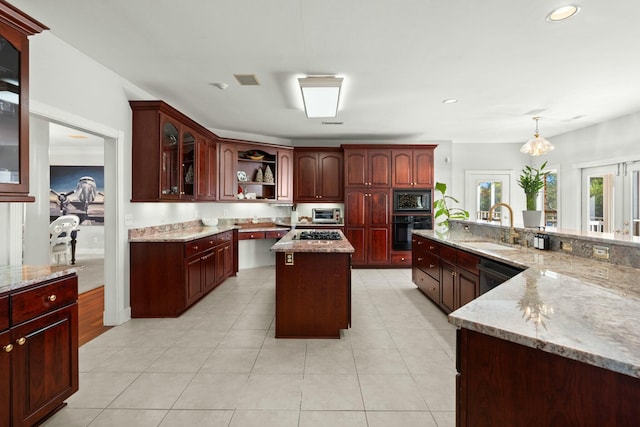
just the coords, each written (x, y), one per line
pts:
(412, 201)
(402, 227)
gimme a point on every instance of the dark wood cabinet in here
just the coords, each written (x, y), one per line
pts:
(501, 383)
(15, 27)
(284, 181)
(448, 276)
(227, 177)
(168, 277)
(173, 157)
(39, 353)
(318, 175)
(412, 167)
(367, 167)
(367, 225)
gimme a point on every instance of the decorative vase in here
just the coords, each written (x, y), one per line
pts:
(531, 219)
(268, 175)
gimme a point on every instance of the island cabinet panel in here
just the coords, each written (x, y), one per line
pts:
(39, 352)
(501, 383)
(313, 294)
(318, 175)
(168, 277)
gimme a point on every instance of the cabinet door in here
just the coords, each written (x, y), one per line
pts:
(356, 204)
(220, 263)
(227, 177)
(330, 182)
(209, 276)
(468, 287)
(379, 207)
(6, 349)
(207, 170)
(447, 287)
(356, 168)
(188, 164)
(45, 364)
(357, 237)
(285, 176)
(170, 161)
(193, 279)
(423, 168)
(228, 260)
(306, 177)
(402, 169)
(378, 245)
(379, 167)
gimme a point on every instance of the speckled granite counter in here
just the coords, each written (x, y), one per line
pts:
(288, 244)
(577, 308)
(176, 235)
(14, 277)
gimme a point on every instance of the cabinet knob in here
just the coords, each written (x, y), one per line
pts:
(21, 341)
(453, 274)
(431, 265)
(419, 243)
(432, 247)
(211, 242)
(433, 289)
(51, 298)
(402, 259)
(7, 348)
(251, 236)
(420, 259)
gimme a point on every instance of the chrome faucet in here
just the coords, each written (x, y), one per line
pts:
(512, 231)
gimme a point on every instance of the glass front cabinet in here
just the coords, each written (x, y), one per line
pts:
(15, 26)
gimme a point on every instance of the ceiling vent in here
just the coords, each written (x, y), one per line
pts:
(247, 79)
(332, 123)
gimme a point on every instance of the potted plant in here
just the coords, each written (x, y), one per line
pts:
(532, 181)
(442, 212)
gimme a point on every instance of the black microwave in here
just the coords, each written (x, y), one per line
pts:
(412, 201)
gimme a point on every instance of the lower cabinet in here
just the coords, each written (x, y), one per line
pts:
(40, 351)
(448, 276)
(168, 277)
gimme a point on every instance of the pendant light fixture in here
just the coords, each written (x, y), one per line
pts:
(538, 145)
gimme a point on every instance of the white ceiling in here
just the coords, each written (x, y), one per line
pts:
(399, 59)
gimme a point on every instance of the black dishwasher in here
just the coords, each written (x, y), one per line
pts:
(492, 273)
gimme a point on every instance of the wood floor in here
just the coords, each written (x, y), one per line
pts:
(90, 309)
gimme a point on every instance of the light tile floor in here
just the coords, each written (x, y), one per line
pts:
(219, 364)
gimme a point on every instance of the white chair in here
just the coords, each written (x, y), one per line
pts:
(60, 237)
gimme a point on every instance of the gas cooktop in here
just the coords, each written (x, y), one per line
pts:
(318, 235)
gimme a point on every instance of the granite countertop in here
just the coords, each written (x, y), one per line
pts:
(288, 244)
(182, 235)
(578, 308)
(14, 277)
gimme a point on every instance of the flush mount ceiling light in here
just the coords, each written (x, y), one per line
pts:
(563, 12)
(538, 145)
(320, 95)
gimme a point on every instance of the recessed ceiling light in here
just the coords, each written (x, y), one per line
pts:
(220, 85)
(563, 12)
(449, 101)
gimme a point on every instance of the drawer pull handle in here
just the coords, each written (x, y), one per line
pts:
(7, 348)
(420, 259)
(431, 265)
(432, 247)
(21, 341)
(51, 298)
(195, 247)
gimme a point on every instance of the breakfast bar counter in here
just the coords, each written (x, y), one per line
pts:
(313, 284)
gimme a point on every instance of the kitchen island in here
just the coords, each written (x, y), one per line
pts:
(313, 284)
(555, 345)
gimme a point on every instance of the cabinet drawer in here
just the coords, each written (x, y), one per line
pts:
(431, 265)
(468, 261)
(428, 285)
(276, 234)
(4, 313)
(227, 236)
(197, 246)
(251, 235)
(401, 259)
(447, 253)
(36, 301)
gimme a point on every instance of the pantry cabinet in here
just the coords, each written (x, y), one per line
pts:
(15, 27)
(167, 277)
(39, 350)
(318, 175)
(367, 225)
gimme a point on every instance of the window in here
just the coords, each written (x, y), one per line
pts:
(484, 189)
(550, 197)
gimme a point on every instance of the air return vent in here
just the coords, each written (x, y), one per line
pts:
(247, 79)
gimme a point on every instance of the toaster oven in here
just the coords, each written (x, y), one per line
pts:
(326, 216)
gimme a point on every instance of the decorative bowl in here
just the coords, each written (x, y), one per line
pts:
(256, 157)
(210, 222)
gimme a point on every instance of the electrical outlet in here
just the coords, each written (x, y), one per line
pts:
(566, 246)
(601, 252)
(128, 219)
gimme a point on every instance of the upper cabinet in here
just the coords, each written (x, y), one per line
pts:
(318, 175)
(15, 26)
(368, 167)
(412, 167)
(173, 158)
